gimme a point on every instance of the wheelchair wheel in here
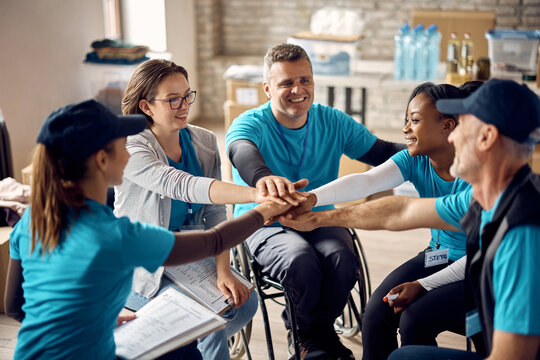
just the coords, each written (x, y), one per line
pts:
(349, 323)
(236, 343)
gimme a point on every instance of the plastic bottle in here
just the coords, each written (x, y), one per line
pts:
(434, 52)
(452, 55)
(411, 57)
(467, 54)
(400, 51)
(421, 56)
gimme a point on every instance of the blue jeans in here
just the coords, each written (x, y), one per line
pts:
(213, 346)
(423, 352)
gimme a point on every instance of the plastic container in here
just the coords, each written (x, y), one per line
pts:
(513, 52)
(330, 55)
(422, 56)
(434, 52)
(411, 57)
(107, 83)
(399, 52)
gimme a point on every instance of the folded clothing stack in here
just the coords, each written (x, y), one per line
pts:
(116, 52)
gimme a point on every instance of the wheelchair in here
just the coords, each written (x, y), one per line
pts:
(347, 325)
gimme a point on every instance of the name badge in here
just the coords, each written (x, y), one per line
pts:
(472, 323)
(436, 257)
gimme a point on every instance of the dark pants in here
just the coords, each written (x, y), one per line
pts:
(186, 352)
(415, 352)
(319, 268)
(419, 324)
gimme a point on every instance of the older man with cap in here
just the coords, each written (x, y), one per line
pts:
(498, 127)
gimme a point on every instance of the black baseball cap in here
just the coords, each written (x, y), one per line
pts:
(79, 130)
(513, 108)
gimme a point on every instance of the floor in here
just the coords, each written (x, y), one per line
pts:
(384, 250)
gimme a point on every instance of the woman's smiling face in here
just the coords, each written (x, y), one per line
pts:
(424, 128)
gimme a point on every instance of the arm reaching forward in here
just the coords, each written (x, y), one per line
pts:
(393, 213)
(357, 186)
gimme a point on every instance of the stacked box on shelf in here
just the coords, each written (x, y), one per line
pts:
(242, 95)
(329, 54)
(513, 53)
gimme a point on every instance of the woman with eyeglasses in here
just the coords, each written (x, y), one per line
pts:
(173, 180)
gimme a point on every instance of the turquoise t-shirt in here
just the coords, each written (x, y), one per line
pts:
(190, 164)
(74, 294)
(419, 171)
(516, 288)
(312, 152)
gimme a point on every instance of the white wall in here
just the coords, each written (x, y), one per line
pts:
(43, 44)
(165, 26)
(181, 42)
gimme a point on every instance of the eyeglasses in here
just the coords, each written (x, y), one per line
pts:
(176, 103)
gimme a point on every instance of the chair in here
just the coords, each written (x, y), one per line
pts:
(348, 324)
(6, 161)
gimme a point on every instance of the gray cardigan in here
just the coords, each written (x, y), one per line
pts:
(149, 184)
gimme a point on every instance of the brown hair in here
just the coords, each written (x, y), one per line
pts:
(144, 83)
(55, 189)
(281, 53)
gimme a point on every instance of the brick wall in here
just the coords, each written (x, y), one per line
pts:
(239, 32)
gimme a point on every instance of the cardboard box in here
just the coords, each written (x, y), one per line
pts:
(245, 93)
(232, 110)
(329, 55)
(27, 175)
(4, 262)
(475, 23)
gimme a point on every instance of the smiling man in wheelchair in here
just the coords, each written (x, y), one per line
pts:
(276, 144)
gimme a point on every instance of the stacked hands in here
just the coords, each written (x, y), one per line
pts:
(284, 202)
(296, 213)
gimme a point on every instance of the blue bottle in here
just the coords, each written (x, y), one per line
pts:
(411, 57)
(421, 56)
(400, 51)
(433, 52)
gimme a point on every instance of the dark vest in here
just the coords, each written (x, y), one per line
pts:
(519, 205)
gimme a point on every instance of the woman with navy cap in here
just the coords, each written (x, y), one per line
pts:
(72, 260)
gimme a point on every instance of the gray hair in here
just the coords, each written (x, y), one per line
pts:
(520, 150)
(281, 53)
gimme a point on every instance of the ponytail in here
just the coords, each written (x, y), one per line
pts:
(55, 189)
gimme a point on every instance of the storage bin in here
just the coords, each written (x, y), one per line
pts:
(107, 83)
(513, 52)
(329, 55)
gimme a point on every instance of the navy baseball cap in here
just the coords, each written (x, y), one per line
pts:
(513, 108)
(79, 130)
